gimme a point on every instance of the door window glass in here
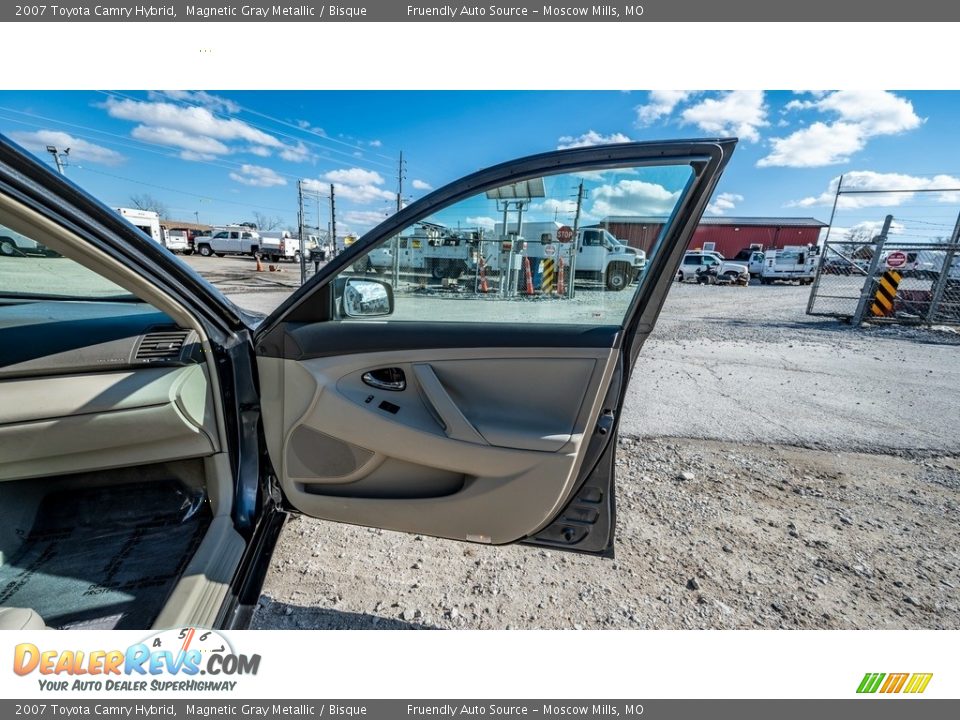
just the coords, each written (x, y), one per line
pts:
(29, 269)
(514, 254)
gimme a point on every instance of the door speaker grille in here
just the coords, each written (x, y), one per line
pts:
(313, 454)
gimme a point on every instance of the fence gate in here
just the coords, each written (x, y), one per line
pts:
(887, 281)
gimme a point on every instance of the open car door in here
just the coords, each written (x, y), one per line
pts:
(454, 375)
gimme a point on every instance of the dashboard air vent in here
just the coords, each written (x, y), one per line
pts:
(162, 345)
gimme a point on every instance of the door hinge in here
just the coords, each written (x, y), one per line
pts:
(605, 422)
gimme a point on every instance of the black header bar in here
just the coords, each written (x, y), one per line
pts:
(501, 11)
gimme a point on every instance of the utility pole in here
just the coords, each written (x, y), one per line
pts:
(58, 157)
(575, 243)
(303, 260)
(333, 220)
(400, 183)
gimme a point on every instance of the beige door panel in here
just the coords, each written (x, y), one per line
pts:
(440, 459)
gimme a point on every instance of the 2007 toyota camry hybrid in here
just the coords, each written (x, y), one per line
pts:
(154, 437)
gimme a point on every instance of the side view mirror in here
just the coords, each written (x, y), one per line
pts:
(367, 297)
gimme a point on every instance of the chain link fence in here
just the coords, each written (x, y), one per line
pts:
(886, 281)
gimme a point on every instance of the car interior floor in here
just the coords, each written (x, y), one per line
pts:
(100, 550)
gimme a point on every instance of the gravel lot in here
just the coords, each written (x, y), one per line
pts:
(775, 471)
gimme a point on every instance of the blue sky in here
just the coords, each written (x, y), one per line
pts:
(224, 155)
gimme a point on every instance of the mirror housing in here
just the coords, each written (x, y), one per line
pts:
(366, 297)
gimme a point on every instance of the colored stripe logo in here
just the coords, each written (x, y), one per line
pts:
(911, 683)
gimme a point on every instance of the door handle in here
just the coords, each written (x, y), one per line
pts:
(391, 379)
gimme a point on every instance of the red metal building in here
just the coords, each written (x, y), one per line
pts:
(729, 235)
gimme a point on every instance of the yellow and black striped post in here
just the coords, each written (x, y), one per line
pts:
(882, 305)
(548, 283)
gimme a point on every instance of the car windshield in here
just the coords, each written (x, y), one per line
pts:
(31, 270)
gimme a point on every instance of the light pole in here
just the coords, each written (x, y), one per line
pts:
(58, 157)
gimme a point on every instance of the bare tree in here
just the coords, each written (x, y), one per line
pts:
(146, 201)
(266, 222)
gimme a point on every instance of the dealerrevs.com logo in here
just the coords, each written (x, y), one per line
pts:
(186, 659)
(910, 683)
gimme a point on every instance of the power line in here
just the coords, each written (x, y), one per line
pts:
(182, 192)
(890, 192)
(167, 150)
(181, 102)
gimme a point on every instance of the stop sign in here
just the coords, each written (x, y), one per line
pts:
(896, 259)
(565, 234)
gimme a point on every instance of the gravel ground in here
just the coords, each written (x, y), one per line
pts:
(821, 491)
(756, 536)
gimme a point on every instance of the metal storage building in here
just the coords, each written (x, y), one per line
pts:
(729, 235)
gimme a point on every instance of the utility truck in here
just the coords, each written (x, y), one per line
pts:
(792, 263)
(146, 221)
(433, 249)
(599, 255)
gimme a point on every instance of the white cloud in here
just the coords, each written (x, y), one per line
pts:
(196, 156)
(363, 194)
(305, 125)
(188, 120)
(362, 220)
(661, 103)
(553, 205)
(487, 223)
(868, 180)
(354, 176)
(259, 151)
(79, 149)
(878, 112)
(257, 176)
(356, 184)
(178, 138)
(591, 137)
(375, 143)
(815, 146)
(421, 185)
(860, 115)
(865, 231)
(295, 153)
(724, 202)
(198, 97)
(738, 112)
(632, 197)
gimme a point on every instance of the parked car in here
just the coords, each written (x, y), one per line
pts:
(23, 247)
(704, 267)
(154, 438)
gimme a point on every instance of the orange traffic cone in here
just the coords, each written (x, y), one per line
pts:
(482, 285)
(527, 276)
(561, 285)
(259, 263)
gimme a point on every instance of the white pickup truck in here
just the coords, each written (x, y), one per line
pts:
(710, 267)
(229, 241)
